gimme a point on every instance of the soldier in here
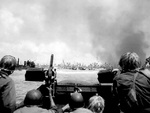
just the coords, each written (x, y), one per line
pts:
(76, 101)
(96, 104)
(147, 63)
(7, 86)
(44, 89)
(131, 87)
(33, 102)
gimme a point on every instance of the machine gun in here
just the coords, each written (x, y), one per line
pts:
(50, 77)
(40, 75)
(51, 71)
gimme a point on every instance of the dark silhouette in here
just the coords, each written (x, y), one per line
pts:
(131, 87)
(7, 86)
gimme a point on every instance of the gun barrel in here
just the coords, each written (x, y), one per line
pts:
(51, 60)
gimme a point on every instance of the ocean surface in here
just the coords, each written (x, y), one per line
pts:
(22, 86)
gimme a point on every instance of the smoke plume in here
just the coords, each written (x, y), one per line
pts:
(74, 30)
(119, 29)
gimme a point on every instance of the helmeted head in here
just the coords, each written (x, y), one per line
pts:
(8, 63)
(33, 97)
(129, 61)
(96, 104)
(147, 62)
(76, 100)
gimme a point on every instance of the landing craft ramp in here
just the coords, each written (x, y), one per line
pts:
(90, 82)
(67, 81)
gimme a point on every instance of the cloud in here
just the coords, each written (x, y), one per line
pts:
(10, 22)
(75, 31)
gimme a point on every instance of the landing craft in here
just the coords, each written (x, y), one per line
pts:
(62, 89)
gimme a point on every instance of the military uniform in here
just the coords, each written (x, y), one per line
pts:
(35, 109)
(122, 83)
(7, 94)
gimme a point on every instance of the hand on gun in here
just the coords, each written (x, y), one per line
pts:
(50, 77)
(77, 89)
(50, 90)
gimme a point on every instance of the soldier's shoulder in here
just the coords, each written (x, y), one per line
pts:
(145, 71)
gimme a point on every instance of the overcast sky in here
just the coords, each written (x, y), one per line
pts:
(74, 30)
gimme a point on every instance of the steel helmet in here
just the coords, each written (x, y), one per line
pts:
(148, 60)
(8, 63)
(33, 97)
(76, 100)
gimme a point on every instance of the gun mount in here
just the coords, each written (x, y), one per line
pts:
(62, 88)
(102, 85)
(40, 74)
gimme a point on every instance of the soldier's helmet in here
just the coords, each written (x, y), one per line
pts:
(76, 100)
(147, 60)
(8, 63)
(33, 97)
